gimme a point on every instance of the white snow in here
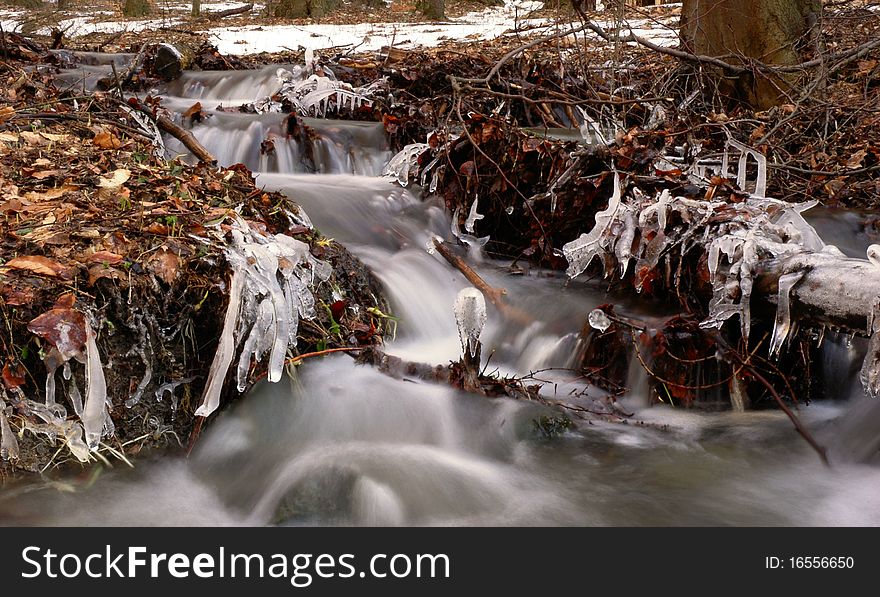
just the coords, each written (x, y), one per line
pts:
(486, 24)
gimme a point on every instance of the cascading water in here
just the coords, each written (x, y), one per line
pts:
(345, 444)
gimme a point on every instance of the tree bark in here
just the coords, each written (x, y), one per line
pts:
(229, 12)
(432, 9)
(297, 9)
(739, 31)
(136, 8)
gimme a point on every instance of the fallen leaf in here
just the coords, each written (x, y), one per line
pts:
(15, 296)
(6, 112)
(65, 301)
(104, 257)
(54, 138)
(42, 174)
(13, 375)
(118, 178)
(109, 188)
(33, 138)
(96, 272)
(37, 264)
(855, 161)
(164, 264)
(9, 137)
(107, 140)
(51, 194)
(64, 328)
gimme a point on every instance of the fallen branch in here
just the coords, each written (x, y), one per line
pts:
(221, 14)
(493, 295)
(187, 138)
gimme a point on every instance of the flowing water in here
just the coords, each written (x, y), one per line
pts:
(339, 443)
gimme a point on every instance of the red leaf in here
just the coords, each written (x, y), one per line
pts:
(13, 375)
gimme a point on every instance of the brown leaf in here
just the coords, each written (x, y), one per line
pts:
(48, 173)
(6, 112)
(156, 228)
(196, 108)
(106, 140)
(855, 161)
(104, 257)
(64, 328)
(13, 375)
(38, 265)
(65, 301)
(165, 264)
(14, 296)
(96, 272)
(51, 194)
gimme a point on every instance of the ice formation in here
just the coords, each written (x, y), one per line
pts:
(95, 418)
(598, 320)
(405, 164)
(8, 443)
(315, 91)
(473, 216)
(737, 238)
(470, 315)
(269, 294)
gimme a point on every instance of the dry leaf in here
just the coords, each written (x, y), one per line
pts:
(855, 161)
(13, 375)
(54, 138)
(116, 180)
(96, 272)
(38, 265)
(109, 187)
(165, 264)
(107, 140)
(51, 194)
(9, 137)
(6, 112)
(64, 328)
(105, 257)
(33, 138)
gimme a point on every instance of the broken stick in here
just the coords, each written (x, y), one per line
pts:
(493, 295)
(187, 138)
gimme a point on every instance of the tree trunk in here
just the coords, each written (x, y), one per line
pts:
(297, 9)
(136, 8)
(432, 9)
(769, 31)
(196, 7)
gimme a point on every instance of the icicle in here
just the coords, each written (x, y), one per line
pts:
(870, 372)
(8, 443)
(470, 315)
(741, 175)
(73, 391)
(623, 247)
(225, 349)
(95, 407)
(782, 327)
(473, 216)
